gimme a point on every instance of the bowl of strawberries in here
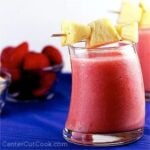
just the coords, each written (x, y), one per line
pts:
(33, 74)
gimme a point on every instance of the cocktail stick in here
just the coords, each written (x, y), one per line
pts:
(58, 35)
(114, 12)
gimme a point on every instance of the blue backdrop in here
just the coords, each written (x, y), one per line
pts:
(39, 125)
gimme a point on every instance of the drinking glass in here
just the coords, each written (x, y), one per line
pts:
(4, 82)
(144, 56)
(107, 100)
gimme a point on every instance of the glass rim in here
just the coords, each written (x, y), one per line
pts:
(111, 46)
(55, 68)
(52, 68)
(144, 28)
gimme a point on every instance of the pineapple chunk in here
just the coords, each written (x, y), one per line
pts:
(103, 32)
(129, 32)
(118, 28)
(145, 20)
(129, 13)
(144, 6)
(74, 32)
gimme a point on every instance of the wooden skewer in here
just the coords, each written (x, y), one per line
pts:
(58, 35)
(114, 11)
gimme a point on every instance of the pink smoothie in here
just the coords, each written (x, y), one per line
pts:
(107, 93)
(144, 55)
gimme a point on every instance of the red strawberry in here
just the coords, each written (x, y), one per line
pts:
(46, 82)
(15, 74)
(18, 54)
(5, 56)
(34, 60)
(12, 57)
(53, 54)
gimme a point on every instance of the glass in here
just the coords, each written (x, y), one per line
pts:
(107, 101)
(4, 82)
(34, 85)
(144, 56)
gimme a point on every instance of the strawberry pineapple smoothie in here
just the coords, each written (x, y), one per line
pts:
(107, 101)
(107, 92)
(144, 55)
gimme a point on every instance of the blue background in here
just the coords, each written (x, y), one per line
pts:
(42, 123)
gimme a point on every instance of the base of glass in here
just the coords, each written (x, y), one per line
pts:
(11, 98)
(113, 139)
(147, 95)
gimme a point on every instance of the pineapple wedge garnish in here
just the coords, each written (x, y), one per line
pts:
(145, 20)
(144, 5)
(130, 12)
(74, 32)
(102, 32)
(119, 28)
(128, 32)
